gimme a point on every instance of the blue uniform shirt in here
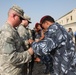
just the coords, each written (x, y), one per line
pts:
(58, 40)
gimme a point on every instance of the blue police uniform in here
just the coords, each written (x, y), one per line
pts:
(58, 40)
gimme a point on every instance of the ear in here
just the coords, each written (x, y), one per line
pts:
(13, 15)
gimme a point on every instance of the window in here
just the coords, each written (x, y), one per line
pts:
(67, 20)
(71, 17)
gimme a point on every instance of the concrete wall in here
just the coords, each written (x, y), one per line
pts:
(68, 20)
(72, 25)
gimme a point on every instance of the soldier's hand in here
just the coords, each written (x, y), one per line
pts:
(31, 41)
(30, 50)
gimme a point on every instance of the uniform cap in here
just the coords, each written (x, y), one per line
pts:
(27, 18)
(42, 19)
(18, 10)
(46, 18)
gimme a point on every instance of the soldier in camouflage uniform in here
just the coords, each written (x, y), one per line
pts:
(57, 43)
(25, 34)
(12, 54)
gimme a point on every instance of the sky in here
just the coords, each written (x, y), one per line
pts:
(37, 9)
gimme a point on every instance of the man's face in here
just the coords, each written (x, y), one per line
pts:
(25, 23)
(17, 19)
(39, 27)
(44, 25)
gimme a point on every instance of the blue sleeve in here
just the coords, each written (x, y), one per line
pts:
(53, 39)
(43, 46)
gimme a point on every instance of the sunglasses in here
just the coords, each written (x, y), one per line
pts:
(20, 17)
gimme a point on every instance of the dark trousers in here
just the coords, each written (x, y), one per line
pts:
(28, 67)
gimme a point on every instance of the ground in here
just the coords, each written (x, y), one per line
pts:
(38, 69)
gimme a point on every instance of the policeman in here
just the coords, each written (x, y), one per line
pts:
(12, 54)
(59, 44)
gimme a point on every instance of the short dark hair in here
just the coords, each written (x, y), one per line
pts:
(46, 18)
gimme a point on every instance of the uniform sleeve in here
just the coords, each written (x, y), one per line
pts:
(30, 34)
(43, 47)
(17, 58)
(9, 49)
(53, 39)
(22, 32)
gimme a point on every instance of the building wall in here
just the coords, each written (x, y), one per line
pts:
(72, 25)
(68, 20)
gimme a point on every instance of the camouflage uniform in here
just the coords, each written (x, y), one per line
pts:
(12, 54)
(58, 40)
(25, 35)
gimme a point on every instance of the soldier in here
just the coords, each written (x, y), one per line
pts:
(24, 31)
(25, 34)
(59, 44)
(12, 54)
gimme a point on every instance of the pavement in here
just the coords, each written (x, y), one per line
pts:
(39, 69)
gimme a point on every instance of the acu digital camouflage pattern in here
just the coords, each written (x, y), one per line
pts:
(58, 40)
(12, 54)
(25, 35)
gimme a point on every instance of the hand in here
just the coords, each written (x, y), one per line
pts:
(30, 50)
(31, 41)
(36, 40)
(37, 59)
